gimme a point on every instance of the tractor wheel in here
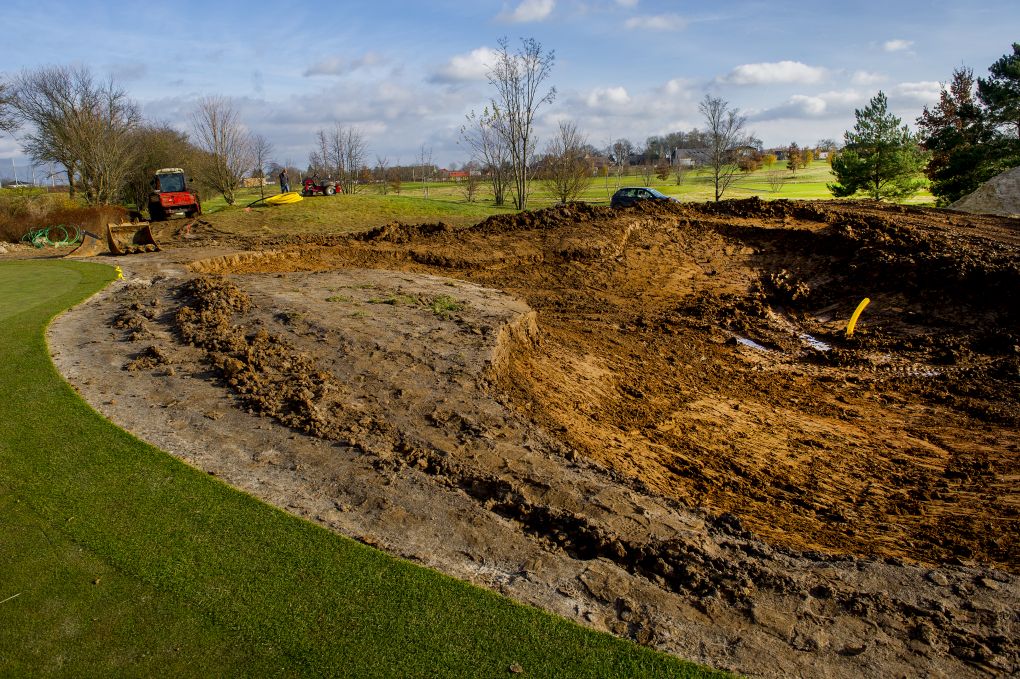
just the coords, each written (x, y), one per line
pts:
(156, 212)
(330, 190)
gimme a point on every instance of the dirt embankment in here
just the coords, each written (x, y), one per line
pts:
(669, 360)
(899, 441)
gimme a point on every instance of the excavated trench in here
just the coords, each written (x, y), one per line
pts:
(854, 499)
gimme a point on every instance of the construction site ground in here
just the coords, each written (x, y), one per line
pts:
(650, 421)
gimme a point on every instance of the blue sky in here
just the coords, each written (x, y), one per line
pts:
(406, 73)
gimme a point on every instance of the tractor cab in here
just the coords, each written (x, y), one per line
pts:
(170, 180)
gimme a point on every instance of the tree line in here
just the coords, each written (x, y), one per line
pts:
(92, 129)
(108, 152)
(968, 137)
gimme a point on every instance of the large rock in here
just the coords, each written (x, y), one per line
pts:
(1000, 195)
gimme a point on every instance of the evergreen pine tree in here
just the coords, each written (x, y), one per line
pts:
(881, 158)
(956, 134)
(1000, 94)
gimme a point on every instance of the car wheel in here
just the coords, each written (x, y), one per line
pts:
(330, 190)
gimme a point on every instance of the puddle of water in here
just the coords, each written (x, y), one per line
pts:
(814, 342)
(750, 343)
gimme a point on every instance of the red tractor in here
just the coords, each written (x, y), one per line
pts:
(313, 186)
(171, 196)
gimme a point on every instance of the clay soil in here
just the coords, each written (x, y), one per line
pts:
(649, 420)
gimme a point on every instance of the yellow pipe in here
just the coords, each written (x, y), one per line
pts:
(857, 314)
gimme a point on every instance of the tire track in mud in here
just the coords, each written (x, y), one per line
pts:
(726, 567)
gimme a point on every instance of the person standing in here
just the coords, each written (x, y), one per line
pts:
(284, 181)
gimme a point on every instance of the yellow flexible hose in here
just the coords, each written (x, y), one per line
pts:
(857, 314)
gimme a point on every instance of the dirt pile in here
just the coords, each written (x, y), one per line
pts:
(1000, 195)
(699, 350)
(673, 438)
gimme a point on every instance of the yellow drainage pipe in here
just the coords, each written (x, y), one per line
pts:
(857, 314)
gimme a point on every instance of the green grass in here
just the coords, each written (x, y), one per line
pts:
(446, 202)
(116, 559)
(343, 213)
(445, 306)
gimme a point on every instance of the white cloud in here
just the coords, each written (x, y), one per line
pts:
(924, 92)
(529, 10)
(657, 22)
(466, 67)
(865, 78)
(341, 66)
(830, 104)
(771, 73)
(678, 87)
(898, 45)
(607, 98)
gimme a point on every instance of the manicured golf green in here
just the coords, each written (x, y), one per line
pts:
(116, 559)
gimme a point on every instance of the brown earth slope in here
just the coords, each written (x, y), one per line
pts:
(899, 441)
(587, 409)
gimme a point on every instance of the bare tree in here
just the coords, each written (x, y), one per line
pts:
(382, 164)
(776, 179)
(424, 167)
(261, 150)
(490, 150)
(621, 151)
(647, 173)
(680, 171)
(725, 132)
(8, 119)
(82, 124)
(567, 168)
(341, 154)
(227, 143)
(469, 187)
(103, 143)
(518, 77)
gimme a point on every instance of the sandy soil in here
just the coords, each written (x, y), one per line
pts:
(650, 421)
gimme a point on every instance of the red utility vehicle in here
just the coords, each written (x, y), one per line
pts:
(171, 196)
(313, 186)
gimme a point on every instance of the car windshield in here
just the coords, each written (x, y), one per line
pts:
(656, 194)
(171, 182)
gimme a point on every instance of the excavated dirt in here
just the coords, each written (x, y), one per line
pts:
(1000, 195)
(651, 420)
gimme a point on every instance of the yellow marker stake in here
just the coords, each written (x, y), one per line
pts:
(857, 314)
(120, 273)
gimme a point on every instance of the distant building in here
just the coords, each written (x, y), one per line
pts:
(690, 157)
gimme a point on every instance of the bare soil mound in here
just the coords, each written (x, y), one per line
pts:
(650, 420)
(1000, 195)
(701, 351)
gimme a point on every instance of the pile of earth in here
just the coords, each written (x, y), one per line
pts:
(651, 420)
(1000, 195)
(701, 351)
